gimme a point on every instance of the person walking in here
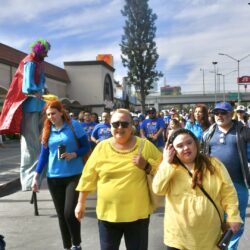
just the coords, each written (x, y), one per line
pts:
(227, 140)
(64, 143)
(102, 130)
(88, 127)
(191, 221)
(198, 122)
(117, 169)
(22, 108)
(153, 128)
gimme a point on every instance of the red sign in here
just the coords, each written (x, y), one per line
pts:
(244, 80)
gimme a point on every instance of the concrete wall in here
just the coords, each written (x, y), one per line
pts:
(6, 74)
(56, 87)
(87, 83)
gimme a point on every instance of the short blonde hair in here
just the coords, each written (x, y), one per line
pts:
(123, 111)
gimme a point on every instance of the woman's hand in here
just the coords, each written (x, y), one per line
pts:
(234, 226)
(139, 161)
(69, 156)
(34, 185)
(169, 153)
(80, 210)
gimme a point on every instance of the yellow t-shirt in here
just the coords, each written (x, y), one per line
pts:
(122, 192)
(191, 220)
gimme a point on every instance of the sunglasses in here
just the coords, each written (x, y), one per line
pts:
(220, 112)
(222, 138)
(118, 124)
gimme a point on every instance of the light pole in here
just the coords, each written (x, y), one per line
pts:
(203, 80)
(215, 92)
(224, 86)
(238, 69)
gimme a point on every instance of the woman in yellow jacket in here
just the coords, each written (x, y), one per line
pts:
(191, 221)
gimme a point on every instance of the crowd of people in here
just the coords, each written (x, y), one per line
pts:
(198, 160)
(184, 152)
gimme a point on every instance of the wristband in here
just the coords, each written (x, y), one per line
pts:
(147, 168)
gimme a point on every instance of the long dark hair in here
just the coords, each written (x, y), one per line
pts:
(204, 121)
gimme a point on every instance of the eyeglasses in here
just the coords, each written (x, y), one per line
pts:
(220, 112)
(222, 138)
(122, 124)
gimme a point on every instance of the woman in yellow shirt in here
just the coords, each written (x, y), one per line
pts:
(191, 221)
(117, 170)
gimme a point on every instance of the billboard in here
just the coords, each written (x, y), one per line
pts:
(244, 80)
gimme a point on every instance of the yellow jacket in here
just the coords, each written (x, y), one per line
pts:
(122, 192)
(191, 221)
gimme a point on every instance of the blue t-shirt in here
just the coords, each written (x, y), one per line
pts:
(32, 104)
(102, 131)
(195, 128)
(151, 127)
(58, 168)
(88, 128)
(224, 147)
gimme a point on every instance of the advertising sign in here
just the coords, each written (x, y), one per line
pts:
(244, 80)
(107, 58)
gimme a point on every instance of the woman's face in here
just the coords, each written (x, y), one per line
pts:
(121, 127)
(54, 116)
(185, 147)
(198, 114)
(172, 125)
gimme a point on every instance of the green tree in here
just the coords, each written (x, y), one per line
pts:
(139, 52)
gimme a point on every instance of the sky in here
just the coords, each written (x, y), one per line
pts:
(190, 35)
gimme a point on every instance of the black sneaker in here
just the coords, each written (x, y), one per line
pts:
(76, 248)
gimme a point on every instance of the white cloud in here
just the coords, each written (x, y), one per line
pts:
(190, 34)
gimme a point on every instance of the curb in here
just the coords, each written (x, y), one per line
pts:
(10, 187)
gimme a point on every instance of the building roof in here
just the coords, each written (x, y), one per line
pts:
(12, 57)
(83, 63)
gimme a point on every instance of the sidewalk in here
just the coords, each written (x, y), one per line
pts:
(23, 230)
(9, 167)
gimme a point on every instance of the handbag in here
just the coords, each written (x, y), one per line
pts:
(87, 155)
(227, 233)
(155, 200)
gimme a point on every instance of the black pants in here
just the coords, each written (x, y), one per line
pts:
(135, 234)
(65, 199)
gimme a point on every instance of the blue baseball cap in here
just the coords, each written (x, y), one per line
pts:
(223, 106)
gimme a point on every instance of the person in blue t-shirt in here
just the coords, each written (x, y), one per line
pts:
(88, 126)
(64, 143)
(152, 128)
(102, 131)
(198, 121)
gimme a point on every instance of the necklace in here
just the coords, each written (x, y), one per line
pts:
(122, 151)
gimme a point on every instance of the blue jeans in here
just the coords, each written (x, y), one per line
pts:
(135, 234)
(242, 192)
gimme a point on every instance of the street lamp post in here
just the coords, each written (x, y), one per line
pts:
(215, 92)
(224, 85)
(238, 69)
(203, 80)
